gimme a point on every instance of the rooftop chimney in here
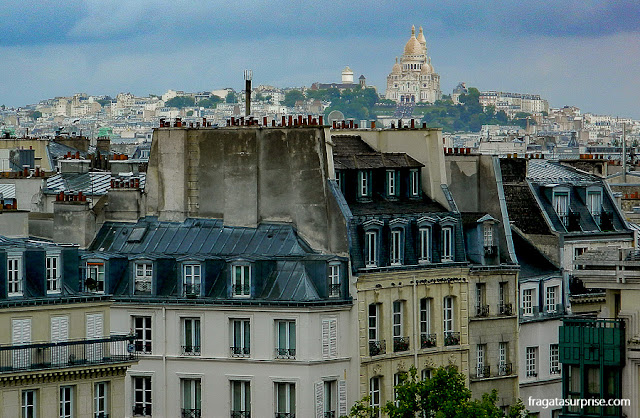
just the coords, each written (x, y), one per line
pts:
(248, 75)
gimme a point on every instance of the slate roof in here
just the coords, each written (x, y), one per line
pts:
(94, 183)
(544, 171)
(532, 262)
(351, 152)
(381, 206)
(8, 191)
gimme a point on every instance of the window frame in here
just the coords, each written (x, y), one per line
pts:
(143, 342)
(447, 244)
(192, 281)
(551, 295)
(528, 298)
(290, 401)
(561, 203)
(96, 270)
(591, 192)
(245, 280)
(98, 410)
(334, 279)
(414, 180)
(29, 407)
(396, 249)
(67, 397)
(554, 359)
(15, 276)
(487, 234)
(147, 266)
(375, 329)
(393, 184)
(195, 389)
(245, 395)
(481, 353)
(241, 336)
(531, 361)
(146, 392)
(288, 351)
(375, 395)
(397, 315)
(195, 335)
(53, 284)
(448, 316)
(371, 248)
(425, 316)
(364, 184)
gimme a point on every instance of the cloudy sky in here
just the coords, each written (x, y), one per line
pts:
(583, 53)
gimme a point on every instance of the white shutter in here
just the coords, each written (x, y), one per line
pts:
(333, 338)
(342, 398)
(325, 338)
(59, 328)
(21, 331)
(94, 325)
(319, 398)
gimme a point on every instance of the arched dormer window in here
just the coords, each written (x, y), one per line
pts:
(372, 229)
(447, 238)
(424, 245)
(396, 244)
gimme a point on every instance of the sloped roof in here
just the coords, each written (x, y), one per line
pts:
(351, 152)
(544, 171)
(92, 183)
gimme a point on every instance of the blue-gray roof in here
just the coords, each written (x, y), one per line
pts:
(94, 183)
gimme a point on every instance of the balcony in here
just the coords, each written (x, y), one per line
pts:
(191, 289)
(191, 413)
(285, 415)
(592, 342)
(190, 350)
(286, 353)
(241, 290)
(505, 369)
(482, 311)
(334, 290)
(451, 338)
(47, 356)
(554, 370)
(142, 410)
(240, 414)
(240, 351)
(400, 344)
(142, 347)
(553, 310)
(483, 371)
(505, 309)
(377, 347)
(428, 340)
(330, 414)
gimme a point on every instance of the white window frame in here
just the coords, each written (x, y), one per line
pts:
(480, 359)
(425, 316)
(531, 365)
(15, 279)
(143, 331)
(101, 399)
(29, 403)
(192, 279)
(398, 319)
(288, 404)
(594, 203)
(243, 280)
(330, 401)
(244, 387)
(194, 397)
(67, 399)
(143, 275)
(194, 335)
(424, 254)
(488, 234)
(503, 353)
(146, 394)
(371, 248)
(447, 243)
(52, 268)
(414, 175)
(96, 271)
(240, 337)
(528, 296)
(551, 298)
(286, 332)
(373, 330)
(448, 315)
(561, 205)
(392, 189)
(363, 182)
(396, 247)
(334, 279)
(374, 394)
(554, 359)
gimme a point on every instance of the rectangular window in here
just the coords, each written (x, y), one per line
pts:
(503, 293)
(240, 337)
(373, 322)
(398, 379)
(240, 399)
(554, 359)
(552, 298)
(285, 400)
(415, 182)
(364, 183)
(448, 314)
(14, 276)
(392, 189)
(371, 249)
(425, 245)
(531, 361)
(561, 206)
(191, 398)
(29, 404)
(397, 318)
(95, 277)
(67, 401)
(241, 280)
(503, 353)
(59, 333)
(340, 180)
(488, 235)
(330, 398)
(52, 264)
(480, 359)
(142, 331)
(396, 247)
(329, 338)
(447, 244)
(191, 336)
(426, 339)
(142, 396)
(527, 302)
(334, 280)
(142, 282)
(21, 334)
(374, 394)
(191, 279)
(481, 308)
(286, 339)
(594, 204)
(94, 330)
(101, 399)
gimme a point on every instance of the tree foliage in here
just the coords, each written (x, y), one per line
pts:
(291, 97)
(36, 114)
(231, 97)
(356, 103)
(180, 102)
(211, 102)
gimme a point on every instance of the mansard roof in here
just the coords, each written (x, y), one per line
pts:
(351, 152)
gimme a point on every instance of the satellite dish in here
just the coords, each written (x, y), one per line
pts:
(335, 115)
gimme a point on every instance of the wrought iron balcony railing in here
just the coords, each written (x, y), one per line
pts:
(505, 309)
(483, 371)
(330, 414)
(287, 353)
(554, 370)
(400, 344)
(377, 347)
(428, 340)
(241, 290)
(142, 347)
(240, 351)
(142, 286)
(191, 413)
(334, 290)
(240, 414)
(451, 338)
(141, 410)
(482, 310)
(43, 356)
(504, 369)
(191, 289)
(190, 350)
(100, 415)
(285, 415)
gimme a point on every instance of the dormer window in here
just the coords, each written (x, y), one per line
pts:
(241, 280)
(52, 265)
(447, 243)
(392, 183)
(371, 248)
(396, 247)
(340, 180)
(334, 279)
(488, 234)
(594, 203)
(14, 276)
(424, 244)
(561, 205)
(364, 184)
(191, 279)
(414, 180)
(142, 280)
(95, 277)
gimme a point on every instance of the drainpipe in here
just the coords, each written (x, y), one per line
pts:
(164, 354)
(248, 75)
(415, 323)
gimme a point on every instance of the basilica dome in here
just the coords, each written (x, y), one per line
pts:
(413, 46)
(397, 69)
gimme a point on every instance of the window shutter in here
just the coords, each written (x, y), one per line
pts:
(94, 325)
(342, 398)
(59, 328)
(325, 338)
(319, 399)
(21, 331)
(333, 338)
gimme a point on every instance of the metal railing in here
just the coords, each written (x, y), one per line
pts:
(191, 289)
(142, 347)
(505, 369)
(482, 310)
(554, 309)
(289, 353)
(505, 309)
(428, 340)
(241, 290)
(377, 348)
(240, 414)
(141, 410)
(100, 415)
(285, 415)
(451, 338)
(240, 351)
(554, 370)
(191, 413)
(190, 350)
(400, 344)
(41, 356)
(483, 371)
(330, 414)
(334, 290)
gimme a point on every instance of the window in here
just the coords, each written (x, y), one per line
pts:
(503, 294)
(285, 400)
(415, 182)
(142, 281)
(424, 253)
(191, 279)
(488, 234)
(329, 338)
(59, 333)
(240, 337)
(142, 331)
(392, 183)
(480, 358)
(21, 334)
(503, 353)
(340, 180)
(398, 379)
(371, 249)
(334, 280)
(552, 298)
(241, 286)
(531, 363)
(52, 264)
(554, 359)
(374, 394)
(561, 206)
(142, 396)
(400, 342)
(425, 374)
(527, 302)
(330, 398)
(447, 243)
(95, 277)
(448, 314)
(396, 247)
(426, 339)
(191, 336)
(29, 404)
(364, 183)
(481, 308)
(286, 339)
(66, 401)
(14, 276)
(191, 398)
(594, 204)
(240, 399)
(101, 399)
(375, 345)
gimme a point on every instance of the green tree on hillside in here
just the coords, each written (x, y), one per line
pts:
(291, 97)
(180, 102)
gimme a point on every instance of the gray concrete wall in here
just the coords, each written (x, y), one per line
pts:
(14, 224)
(41, 225)
(28, 192)
(124, 205)
(74, 223)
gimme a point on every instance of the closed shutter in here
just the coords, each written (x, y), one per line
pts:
(59, 332)
(21, 334)
(325, 338)
(342, 398)
(333, 338)
(95, 323)
(319, 399)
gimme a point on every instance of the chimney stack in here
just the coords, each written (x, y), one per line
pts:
(248, 75)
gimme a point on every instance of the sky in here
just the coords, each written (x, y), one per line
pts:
(580, 53)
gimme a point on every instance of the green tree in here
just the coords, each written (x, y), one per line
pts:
(211, 102)
(36, 114)
(231, 97)
(291, 97)
(190, 113)
(180, 102)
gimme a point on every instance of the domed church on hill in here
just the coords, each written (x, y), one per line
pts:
(413, 79)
